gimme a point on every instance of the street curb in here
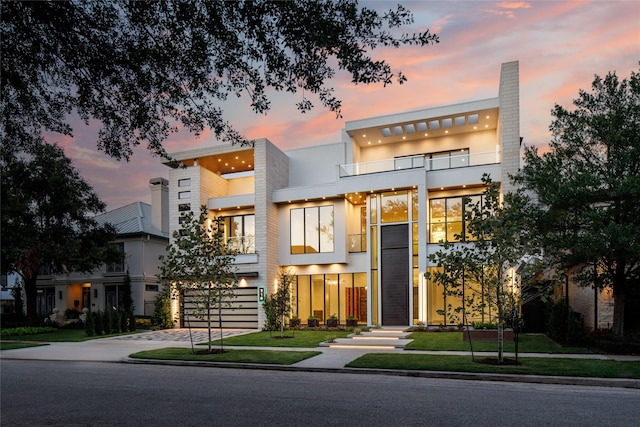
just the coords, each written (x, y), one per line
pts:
(533, 379)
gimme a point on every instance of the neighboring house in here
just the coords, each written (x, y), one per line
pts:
(7, 300)
(354, 220)
(142, 236)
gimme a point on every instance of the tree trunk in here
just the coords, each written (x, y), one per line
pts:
(500, 341)
(209, 323)
(618, 310)
(31, 295)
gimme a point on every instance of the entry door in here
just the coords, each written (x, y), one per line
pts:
(394, 251)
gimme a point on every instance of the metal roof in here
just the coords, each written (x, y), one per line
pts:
(134, 218)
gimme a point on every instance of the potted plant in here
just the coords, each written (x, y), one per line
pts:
(294, 322)
(332, 321)
(352, 321)
(312, 321)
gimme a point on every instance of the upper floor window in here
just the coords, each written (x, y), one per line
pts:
(117, 267)
(185, 182)
(184, 195)
(312, 230)
(447, 219)
(240, 233)
(394, 206)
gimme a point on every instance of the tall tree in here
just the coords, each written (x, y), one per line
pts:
(48, 218)
(199, 264)
(144, 68)
(588, 185)
(481, 271)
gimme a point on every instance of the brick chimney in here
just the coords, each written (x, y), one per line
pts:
(159, 203)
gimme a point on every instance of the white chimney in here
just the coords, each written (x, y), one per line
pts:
(159, 203)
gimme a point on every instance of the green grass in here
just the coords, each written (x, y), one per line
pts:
(13, 345)
(307, 339)
(452, 341)
(277, 357)
(529, 366)
(58, 335)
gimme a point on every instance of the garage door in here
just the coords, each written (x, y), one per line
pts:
(243, 312)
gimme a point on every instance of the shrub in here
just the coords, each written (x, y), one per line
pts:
(330, 338)
(106, 322)
(27, 330)
(115, 322)
(97, 321)
(142, 322)
(72, 313)
(89, 324)
(161, 318)
(563, 324)
(124, 321)
(484, 325)
(132, 322)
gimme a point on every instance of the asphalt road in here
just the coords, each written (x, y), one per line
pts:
(44, 393)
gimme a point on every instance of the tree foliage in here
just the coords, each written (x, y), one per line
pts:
(588, 186)
(200, 265)
(145, 68)
(278, 304)
(48, 218)
(497, 243)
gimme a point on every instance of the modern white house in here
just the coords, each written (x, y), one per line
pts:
(354, 220)
(142, 236)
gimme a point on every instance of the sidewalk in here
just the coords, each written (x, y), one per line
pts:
(118, 349)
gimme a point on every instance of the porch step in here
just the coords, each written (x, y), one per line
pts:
(382, 339)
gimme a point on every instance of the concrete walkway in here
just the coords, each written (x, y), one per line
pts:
(117, 349)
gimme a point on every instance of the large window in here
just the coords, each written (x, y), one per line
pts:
(323, 295)
(312, 230)
(447, 219)
(117, 267)
(240, 233)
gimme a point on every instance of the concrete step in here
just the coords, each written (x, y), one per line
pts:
(381, 334)
(363, 342)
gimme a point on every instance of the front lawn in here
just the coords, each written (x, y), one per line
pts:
(276, 357)
(307, 339)
(13, 345)
(59, 335)
(528, 366)
(452, 341)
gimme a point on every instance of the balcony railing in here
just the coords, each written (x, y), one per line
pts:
(242, 244)
(420, 161)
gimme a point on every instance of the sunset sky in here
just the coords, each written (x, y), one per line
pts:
(560, 45)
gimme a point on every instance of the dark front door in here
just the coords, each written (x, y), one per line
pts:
(394, 251)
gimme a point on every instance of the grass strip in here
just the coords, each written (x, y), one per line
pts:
(528, 366)
(452, 341)
(305, 339)
(238, 356)
(13, 345)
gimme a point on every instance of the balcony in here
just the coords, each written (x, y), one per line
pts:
(432, 163)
